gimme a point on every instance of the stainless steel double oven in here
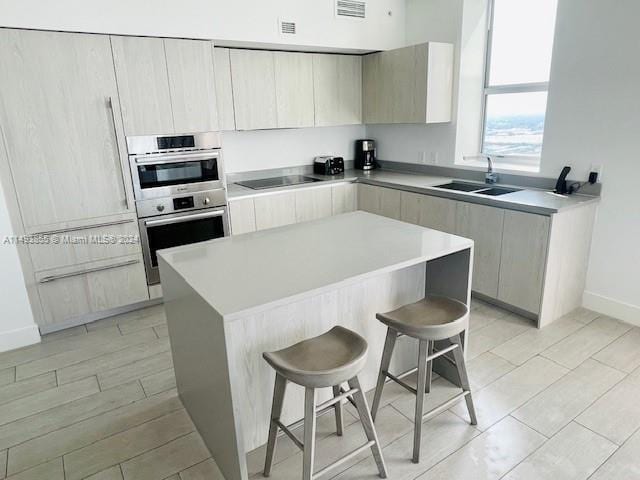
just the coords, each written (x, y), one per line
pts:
(178, 183)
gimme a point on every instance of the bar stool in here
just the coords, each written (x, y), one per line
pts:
(327, 360)
(428, 320)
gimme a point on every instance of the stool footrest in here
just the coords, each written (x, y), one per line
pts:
(289, 434)
(401, 383)
(344, 394)
(443, 406)
(347, 457)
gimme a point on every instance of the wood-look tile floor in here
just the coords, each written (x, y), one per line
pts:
(99, 402)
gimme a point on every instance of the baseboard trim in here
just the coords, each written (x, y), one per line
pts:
(614, 308)
(20, 337)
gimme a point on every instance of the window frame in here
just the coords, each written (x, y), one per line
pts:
(508, 161)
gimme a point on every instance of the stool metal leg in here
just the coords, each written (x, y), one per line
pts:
(338, 410)
(421, 387)
(367, 424)
(276, 411)
(458, 356)
(309, 433)
(387, 353)
(429, 367)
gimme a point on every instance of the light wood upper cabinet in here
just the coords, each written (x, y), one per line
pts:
(409, 85)
(141, 70)
(254, 89)
(166, 85)
(337, 87)
(191, 85)
(432, 212)
(294, 89)
(59, 128)
(524, 251)
(379, 200)
(484, 226)
(224, 88)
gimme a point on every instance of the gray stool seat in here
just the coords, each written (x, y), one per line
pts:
(323, 361)
(433, 318)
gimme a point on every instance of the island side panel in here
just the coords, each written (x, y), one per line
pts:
(450, 276)
(196, 333)
(353, 306)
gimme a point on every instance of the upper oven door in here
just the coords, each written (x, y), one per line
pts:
(174, 174)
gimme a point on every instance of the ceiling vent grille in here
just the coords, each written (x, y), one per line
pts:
(350, 8)
(287, 27)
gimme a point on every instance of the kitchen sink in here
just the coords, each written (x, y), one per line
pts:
(495, 191)
(462, 187)
(476, 188)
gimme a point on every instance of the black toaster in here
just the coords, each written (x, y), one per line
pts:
(327, 165)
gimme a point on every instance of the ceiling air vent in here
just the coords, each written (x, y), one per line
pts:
(350, 8)
(287, 27)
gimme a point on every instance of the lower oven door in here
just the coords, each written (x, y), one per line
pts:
(166, 231)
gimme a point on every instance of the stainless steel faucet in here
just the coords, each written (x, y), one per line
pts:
(490, 176)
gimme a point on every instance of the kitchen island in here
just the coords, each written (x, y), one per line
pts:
(229, 300)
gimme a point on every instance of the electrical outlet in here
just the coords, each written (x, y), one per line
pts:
(423, 158)
(597, 169)
(435, 158)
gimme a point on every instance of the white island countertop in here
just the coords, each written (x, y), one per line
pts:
(245, 274)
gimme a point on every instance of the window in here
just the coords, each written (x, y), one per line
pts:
(517, 79)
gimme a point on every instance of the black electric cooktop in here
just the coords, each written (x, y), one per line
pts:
(277, 182)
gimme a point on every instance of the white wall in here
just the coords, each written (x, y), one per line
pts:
(225, 20)
(264, 149)
(593, 117)
(17, 327)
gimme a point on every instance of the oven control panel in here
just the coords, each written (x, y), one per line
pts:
(183, 203)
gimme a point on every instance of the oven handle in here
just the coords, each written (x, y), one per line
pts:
(178, 159)
(185, 218)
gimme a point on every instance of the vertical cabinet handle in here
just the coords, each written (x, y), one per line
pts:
(119, 160)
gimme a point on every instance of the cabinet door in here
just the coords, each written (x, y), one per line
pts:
(375, 99)
(141, 70)
(224, 90)
(71, 292)
(337, 88)
(59, 127)
(275, 210)
(242, 215)
(437, 94)
(191, 85)
(294, 89)
(379, 200)
(427, 211)
(343, 198)
(254, 89)
(313, 203)
(524, 253)
(484, 226)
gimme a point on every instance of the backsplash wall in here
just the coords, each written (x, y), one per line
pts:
(264, 149)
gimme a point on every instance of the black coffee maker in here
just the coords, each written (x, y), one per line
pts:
(365, 158)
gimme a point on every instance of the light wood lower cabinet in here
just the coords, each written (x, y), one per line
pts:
(431, 212)
(242, 216)
(344, 198)
(525, 240)
(484, 226)
(275, 210)
(379, 200)
(70, 292)
(313, 203)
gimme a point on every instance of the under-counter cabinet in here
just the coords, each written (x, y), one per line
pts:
(344, 198)
(525, 239)
(60, 121)
(379, 200)
(166, 85)
(275, 210)
(432, 212)
(484, 225)
(409, 85)
(242, 215)
(313, 203)
(337, 89)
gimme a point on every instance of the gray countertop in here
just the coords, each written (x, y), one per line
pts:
(530, 200)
